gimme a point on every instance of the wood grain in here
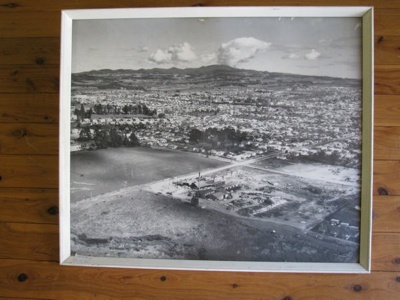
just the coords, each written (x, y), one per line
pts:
(28, 138)
(29, 241)
(387, 50)
(21, 205)
(386, 214)
(51, 5)
(387, 80)
(108, 283)
(29, 75)
(386, 177)
(29, 108)
(30, 24)
(30, 51)
(29, 79)
(387, 110)
(386, 252)
(387, 22)
(33, 171)
(19, 298)
(48, 24)
(387, 143)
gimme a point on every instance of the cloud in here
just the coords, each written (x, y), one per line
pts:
(174, 54)
(240, 50)
(160, 57)
(312, 55)
(291, 56)
(143, 49)
(182, 53)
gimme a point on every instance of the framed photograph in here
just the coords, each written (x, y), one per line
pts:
(218, 138)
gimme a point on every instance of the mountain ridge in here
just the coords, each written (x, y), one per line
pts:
(213, 70)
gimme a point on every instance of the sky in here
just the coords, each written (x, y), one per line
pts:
(308, 46)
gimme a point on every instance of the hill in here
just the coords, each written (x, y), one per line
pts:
(203, 77)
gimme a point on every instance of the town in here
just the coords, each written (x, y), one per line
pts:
(314, 118)
(262, 126)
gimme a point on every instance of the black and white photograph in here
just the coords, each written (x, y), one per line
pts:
(233, 139)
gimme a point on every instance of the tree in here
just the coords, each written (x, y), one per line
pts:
(89, 113)
(85, 135)
(195, 136)
(133, 140)
(116, 139)
(98, 109)
(335, 158)
(146, 110)
(125, 109)
(77, 112)
(101, 138)
(82, 112)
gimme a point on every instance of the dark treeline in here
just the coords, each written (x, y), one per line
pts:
(102, 137)
(333, 158)
(137, 109)
(227, 139)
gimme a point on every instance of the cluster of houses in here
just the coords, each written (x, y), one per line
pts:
(232, 195)
(294, 123)
(343, 230)
(210, 189)
(339, 229)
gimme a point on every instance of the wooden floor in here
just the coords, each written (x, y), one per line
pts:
(29, 267)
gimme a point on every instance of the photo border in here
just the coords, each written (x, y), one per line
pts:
(365, 13)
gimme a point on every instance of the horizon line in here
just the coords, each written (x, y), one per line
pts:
(214, 65)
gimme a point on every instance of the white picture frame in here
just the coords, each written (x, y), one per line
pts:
(69, 45)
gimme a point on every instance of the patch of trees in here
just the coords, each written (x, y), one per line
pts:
(81, 113)
(227, 139)
(334, 158)
(110, 86)
(103, 137)
(137, 109)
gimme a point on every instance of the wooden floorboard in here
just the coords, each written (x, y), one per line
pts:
(49, 280)
(29, 222)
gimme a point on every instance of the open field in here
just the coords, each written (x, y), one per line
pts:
(313, 170)
(100, 171)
